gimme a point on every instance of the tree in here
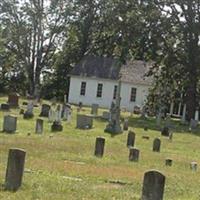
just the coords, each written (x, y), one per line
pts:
(33, 31)
(180, 49)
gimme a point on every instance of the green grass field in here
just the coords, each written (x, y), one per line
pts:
(62, 166)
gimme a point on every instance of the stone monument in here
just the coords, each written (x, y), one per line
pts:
(113, 126)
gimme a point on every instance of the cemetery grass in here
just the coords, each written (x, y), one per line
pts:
(62, 166)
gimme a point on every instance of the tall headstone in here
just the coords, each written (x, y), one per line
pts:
(196, 115)
(52, 114)
(66, 112)
(57, 125)
(99, 146)
(39, 126)
(10, 124)
(158, 119)
(29, 112)
(125, 125)
(183, 117)
(13, 100)
(113, 126)
(134, 154)
(84, 121)
(94, 109)
(153, 186)
(15, 169)
(156, 145)
(45, 110)
(131, 139)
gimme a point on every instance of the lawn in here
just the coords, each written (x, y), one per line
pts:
(62, 166)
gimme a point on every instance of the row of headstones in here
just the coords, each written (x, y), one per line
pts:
(134, 152)
(153, 183)
(10, 124)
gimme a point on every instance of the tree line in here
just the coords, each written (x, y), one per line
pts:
(41, 40)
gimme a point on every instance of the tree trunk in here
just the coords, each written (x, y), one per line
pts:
(191, 101)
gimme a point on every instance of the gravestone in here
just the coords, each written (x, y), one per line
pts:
(9, 124)
(134, 154)
(183, 117)
(156, 145)
(158, 119)
(193, 166)
(13, 100)
(45, 110)
(52, 114)
(131, 139)
(15, 169)
(170, 136)
(153, 186)
(39, 126)
(125, 125)
(29, 112)
(67, 112)
(57, 125)
(106, 115)
(168, 162)
(5, 107)
(84, 121)
(193, 124)
(94, 109)
(165, 131)
(113, 125)
(168, 122)
(99, 146)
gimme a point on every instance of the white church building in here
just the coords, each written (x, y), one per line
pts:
(95, 79)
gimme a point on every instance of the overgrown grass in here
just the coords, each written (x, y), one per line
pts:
(62, 166)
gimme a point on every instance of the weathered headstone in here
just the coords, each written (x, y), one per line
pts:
(156, 145)
(94, 109)
(193, 166)
(168, 122)
(45, 110)
(165, 131)
(39, 126)
(99, 146)
(113, 125)
(15, 169)
(158, 119)
(29, 112)
(183, 117)
(125, 125)
(153, 186)
(168, 162)
(84, 121)
(52, 114)
(10, 124)
(66, 112)
(170, 136)
(57, 125)
(196, 115)
(106, 115)
(134, 154)
(193, 124)
(131, 139)
(5, 107)
(13, 100)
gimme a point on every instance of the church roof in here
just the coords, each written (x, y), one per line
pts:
(108, 68)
